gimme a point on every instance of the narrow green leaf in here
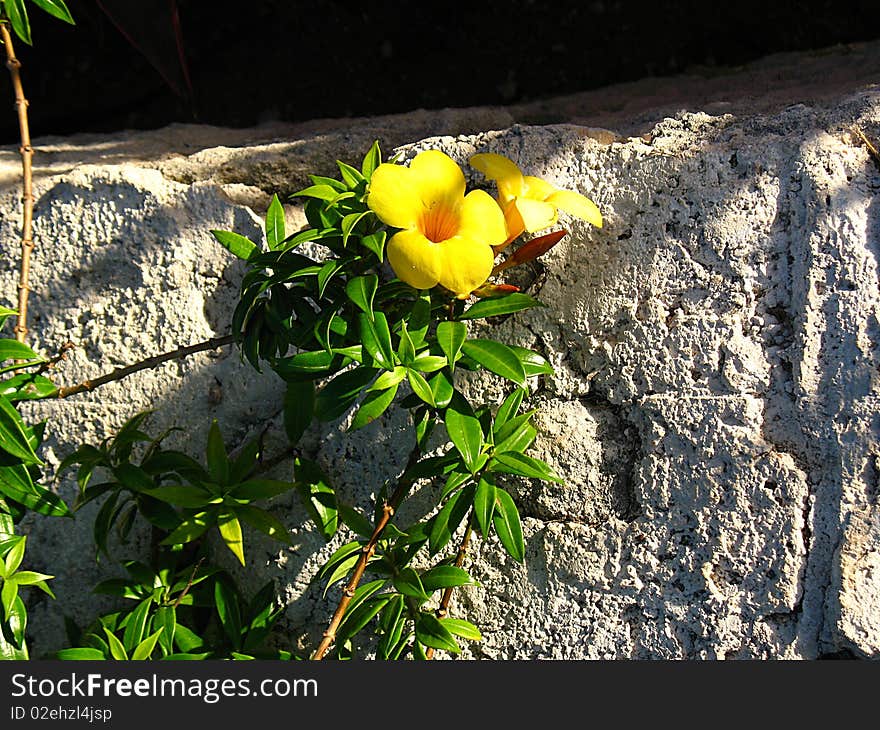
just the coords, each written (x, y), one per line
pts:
(533, 363)
(340, 570)
(442, 390)
(236, 244)
(354, 520)
(350, 175)
(218, 461)
(449, 518)
(80, 654)
(226, 603)
(430, 632)
(389, 378)
(464, 431)
(360, 617)
(525, 466)
(56, 8)
(462, 628)
(444, 576)
(500, 305)
(408, 583)
(375, 242)
(13, 438)
(13, 558)
(484, 505)
(16, 483)
(254, 489)
(299, 407)
(509, 408)
(321, 192)
(133, 478)
(190, 529)
(497, 357)
(507, 525)
(373, 406)
(136, 624)
(338, 557)
(145, 648)
(362, 291)
(275, 224)
(349, 223)
(17, 14)
(427, 363)
(230, 531)
(372, 160)
(264, 522)
(420, 387)
(376, 338)
(317, 496)
(339, 394)
(14, 350)
(117, 650)
(451, 336)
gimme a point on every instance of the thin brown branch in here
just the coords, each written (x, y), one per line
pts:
(871, 147)
(27, 198)
(443, 608)
(367, 552)
(189, 583)
(52, 362)
(150, 362)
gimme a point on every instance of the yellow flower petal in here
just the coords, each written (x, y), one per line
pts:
(393, 196)
(415, 259)
(577, 205)
(514, 222)
(536, 188)
(503, 171)
(465, 264)
(482, 219)
(536, 214)
(438, 180)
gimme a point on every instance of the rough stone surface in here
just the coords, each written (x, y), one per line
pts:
(715, 405)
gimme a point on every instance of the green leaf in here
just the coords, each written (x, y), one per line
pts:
(80, 654)
(317, 496)
(230, 531)
(14, 350)
(362, 291)
(27, 386)
(442, 389)
(299, 407)
(145, 648)
(133, 478)
(236, 244)
(321, 192)
(136, 624)
(218, 461)
(316, 362)
(121, 588)
(500, 305)
(349, 222)
(183, 495)
(464, 431)
(430, 632)
(254, 489)
(420, 387)
(117, 650)
(56, 8)
(376, 338)
(16, 483)
(372, 160)
(226, 603)
(104, 521)
(264, 522)
(408, 583)
(497, 357)
(360, 617)
(427, 363)
(340, 393)
(484, 504)
(389, 378)
(444, 576)
(17, 14)
(375, 242)
(449, 518)
(524, 466)
(509, 408)
(450, 337)
(533, 363)
(190, 529)
(355, 521)
(13, 558)
(391, 622)
(374, 405)
(464, 629)
(338, 557)
(13, 438)
(350, 175)
(507, 525)
(275, 224)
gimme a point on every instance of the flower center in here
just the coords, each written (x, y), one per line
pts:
(440, 223)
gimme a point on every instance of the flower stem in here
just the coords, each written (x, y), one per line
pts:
(367, 552)
(443, 608)
(150, 362)
(27, 198)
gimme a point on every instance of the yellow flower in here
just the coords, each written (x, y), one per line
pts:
(447, 236)
(530, 203)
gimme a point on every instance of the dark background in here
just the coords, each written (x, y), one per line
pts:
(264, 60)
